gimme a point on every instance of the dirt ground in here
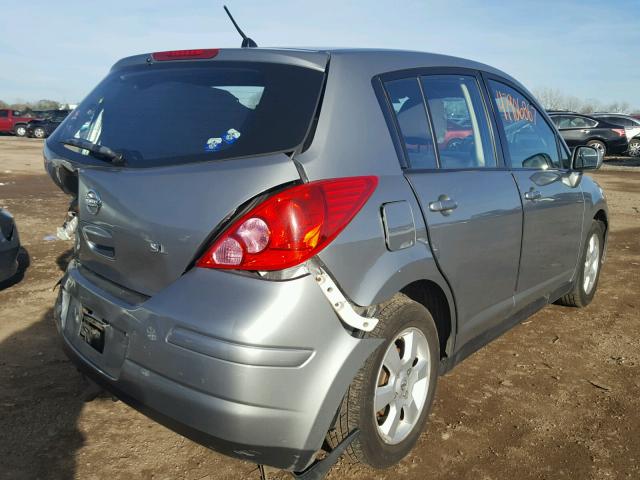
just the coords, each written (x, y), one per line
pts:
(558, 397)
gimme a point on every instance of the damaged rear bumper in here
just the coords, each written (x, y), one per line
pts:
(251, 368)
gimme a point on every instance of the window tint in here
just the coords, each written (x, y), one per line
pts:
(459, 121)
(565, 155)
(581, 122)
(58, 117)
(408, 106)
(558, 121)
(530, 140)
(181, 112)
(623, 122)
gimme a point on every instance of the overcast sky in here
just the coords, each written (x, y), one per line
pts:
(60, 49)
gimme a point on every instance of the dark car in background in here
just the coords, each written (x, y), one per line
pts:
(9, 246)
(631, 126)
(578, 129)
(45, 127)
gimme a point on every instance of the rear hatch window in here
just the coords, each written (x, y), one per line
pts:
(183, 112)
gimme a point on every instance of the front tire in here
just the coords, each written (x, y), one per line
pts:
(39, 132)
(392, 394)
(586, 282)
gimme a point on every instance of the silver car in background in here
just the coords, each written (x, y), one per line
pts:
(279, 251)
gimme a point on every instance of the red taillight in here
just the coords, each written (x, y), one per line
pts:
(291, 226)
(619, 131)
(185, 54)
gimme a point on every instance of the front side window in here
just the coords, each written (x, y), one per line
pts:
(459, 121)
(408, 106)
(531, 142)
(4, 113)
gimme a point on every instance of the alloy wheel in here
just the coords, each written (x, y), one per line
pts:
(591, 264)
(599, 146)
(403, 381)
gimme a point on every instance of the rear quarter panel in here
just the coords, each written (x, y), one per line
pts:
(352, 138)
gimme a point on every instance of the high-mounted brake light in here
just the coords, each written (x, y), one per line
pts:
(185, 54)
(291, 226)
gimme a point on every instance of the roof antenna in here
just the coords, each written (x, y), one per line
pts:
(246, 41)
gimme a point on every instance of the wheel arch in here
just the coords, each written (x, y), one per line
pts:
(429, 294)
(601, 216)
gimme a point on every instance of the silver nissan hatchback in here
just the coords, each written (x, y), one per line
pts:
(278, 251)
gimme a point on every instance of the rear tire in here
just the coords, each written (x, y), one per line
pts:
(412, 339)
(634, 148)
(598, 145)
(586, 282)
(20, 130)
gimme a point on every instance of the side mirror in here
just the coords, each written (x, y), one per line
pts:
(586, 158)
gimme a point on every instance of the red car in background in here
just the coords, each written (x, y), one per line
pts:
(13, 121)
(455, 134)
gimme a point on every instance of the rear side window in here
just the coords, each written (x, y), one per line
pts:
(530, 140)
(406, 99)
(459, 121)
(181, 112)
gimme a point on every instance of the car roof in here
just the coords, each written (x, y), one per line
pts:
(604, 114)
(573, 114)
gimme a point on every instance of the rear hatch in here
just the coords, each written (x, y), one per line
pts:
(200, 138)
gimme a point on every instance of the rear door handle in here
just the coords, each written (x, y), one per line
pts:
(444, 205)
(532, 195)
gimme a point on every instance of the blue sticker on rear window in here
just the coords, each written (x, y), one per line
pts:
(231, 136)
(213, 144)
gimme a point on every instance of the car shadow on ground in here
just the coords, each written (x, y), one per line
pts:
(24, 260)
(41, 397)
(40, 401)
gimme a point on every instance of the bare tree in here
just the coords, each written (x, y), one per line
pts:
(551, 98)
(554, 99)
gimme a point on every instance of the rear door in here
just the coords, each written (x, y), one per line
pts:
(576, 130)
(550, 192)
(469, 200)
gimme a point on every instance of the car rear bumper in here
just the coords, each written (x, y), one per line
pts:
(618, 146)
(251, 368)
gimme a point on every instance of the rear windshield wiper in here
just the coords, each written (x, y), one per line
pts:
(98, 151)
